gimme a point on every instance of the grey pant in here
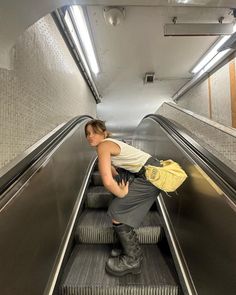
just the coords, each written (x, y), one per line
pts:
(132, 209)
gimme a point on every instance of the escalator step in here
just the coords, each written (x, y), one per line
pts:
(98, 197)
(96, 178)
(85, 274)
(94, 227)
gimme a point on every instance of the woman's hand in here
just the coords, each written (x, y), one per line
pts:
(124, 188)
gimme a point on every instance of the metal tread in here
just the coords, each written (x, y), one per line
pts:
(98, 197)
(98, 189)
(96, 178)
(94, 226)
(85, 274)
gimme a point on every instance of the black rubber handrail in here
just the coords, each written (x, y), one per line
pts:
(39, 153)
(224, 177)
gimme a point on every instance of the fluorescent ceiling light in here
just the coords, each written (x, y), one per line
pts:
(213, 56)
(218, 57)
(82, 29)
(76, 42)
(210, 55)
(207, 67)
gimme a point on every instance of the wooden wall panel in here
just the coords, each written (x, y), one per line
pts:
(233, 91)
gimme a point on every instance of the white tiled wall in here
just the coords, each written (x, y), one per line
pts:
(218, 139)
(44, 89)
(216, 93)
(196, 99)
(220, 96)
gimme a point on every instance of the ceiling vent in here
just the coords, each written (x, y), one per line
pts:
(114, 15)
(149, 78)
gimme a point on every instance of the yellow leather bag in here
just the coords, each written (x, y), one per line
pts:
(168, 177)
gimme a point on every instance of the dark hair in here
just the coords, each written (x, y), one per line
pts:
(98, 127)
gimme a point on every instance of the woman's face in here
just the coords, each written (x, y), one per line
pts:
(93, 138)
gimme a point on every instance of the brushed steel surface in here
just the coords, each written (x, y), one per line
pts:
(202, 218)
(33, 224)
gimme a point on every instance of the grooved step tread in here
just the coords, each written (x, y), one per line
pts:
(98, 197)
(94, 226)
(96, 178)
(100, 189)
(85, 274)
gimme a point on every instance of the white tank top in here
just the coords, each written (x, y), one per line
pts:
(130, 158)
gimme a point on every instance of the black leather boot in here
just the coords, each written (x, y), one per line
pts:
(117, 247)
(130, 260)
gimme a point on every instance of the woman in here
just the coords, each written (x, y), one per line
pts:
(121, 167)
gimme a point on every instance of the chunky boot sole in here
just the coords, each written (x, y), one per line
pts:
(115, 252)
(133, 271)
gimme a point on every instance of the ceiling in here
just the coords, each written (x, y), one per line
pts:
(136, 46)
(127, 51)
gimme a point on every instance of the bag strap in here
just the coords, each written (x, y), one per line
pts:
(171, 196)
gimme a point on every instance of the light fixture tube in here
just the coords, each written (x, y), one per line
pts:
(80, 22)
(212, 56)
(202, 73)
(76, 42)
(218, 57)
(207, 68)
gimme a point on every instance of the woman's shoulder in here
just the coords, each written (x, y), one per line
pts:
(111, 139)
(111, 145)
(108, 142)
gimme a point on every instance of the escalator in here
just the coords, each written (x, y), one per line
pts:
(85, 272)
(56, 236)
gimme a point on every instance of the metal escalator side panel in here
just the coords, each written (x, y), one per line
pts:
(34, 223)
(201, 216)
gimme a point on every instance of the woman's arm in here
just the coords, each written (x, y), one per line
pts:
(104, 151)
(113, 171)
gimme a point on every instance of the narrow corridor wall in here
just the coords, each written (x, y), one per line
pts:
(215, 97)
(44, 89)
